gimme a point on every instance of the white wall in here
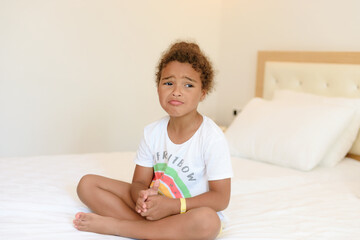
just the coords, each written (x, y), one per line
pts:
(252, 25)
(78, 76)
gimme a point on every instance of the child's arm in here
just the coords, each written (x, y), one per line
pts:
(217, 198)
(140, 186)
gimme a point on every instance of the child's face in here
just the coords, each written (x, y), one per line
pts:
(180, 89)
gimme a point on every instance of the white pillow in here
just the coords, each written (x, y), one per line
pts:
(343, 144)
(287, 134)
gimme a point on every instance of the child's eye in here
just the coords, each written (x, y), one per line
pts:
(189, 85)
(168, 83)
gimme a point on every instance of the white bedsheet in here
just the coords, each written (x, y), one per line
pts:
(38, 198)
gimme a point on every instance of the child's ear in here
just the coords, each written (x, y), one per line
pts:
(203, 95)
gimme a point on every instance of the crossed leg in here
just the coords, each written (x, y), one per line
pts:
(114, 214)
(107, 197)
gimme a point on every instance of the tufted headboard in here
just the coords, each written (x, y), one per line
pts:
(332, 74)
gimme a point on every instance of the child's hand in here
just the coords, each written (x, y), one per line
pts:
(159, 207)
(144, 195)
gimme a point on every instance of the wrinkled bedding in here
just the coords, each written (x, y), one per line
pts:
(38, 198)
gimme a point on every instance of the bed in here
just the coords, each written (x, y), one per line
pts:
(284, 186)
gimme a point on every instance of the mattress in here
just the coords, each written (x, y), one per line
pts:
(38, 198)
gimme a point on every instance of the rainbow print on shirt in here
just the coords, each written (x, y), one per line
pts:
(171, 184)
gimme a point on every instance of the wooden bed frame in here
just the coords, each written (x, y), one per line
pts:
(351, 61)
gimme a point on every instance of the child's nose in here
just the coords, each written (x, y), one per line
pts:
(177, 91)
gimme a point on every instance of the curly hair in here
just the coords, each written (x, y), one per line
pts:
(188, 52)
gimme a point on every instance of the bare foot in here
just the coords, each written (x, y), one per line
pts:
(91, 222)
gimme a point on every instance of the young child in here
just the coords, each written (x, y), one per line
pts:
(182, 177)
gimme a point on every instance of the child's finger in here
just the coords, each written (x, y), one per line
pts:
(140, 205)
(143, 195)
(156, 185)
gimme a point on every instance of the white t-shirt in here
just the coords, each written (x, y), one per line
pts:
(185, 169)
